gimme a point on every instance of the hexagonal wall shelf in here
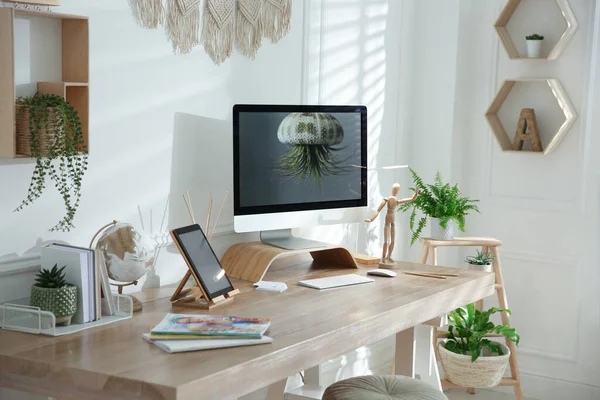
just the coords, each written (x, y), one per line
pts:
(558, 48)
(563, 102)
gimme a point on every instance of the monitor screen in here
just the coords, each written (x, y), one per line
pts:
(296, 158)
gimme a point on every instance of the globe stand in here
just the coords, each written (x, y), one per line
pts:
(137, 305)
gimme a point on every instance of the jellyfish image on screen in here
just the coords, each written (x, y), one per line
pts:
(311, 138)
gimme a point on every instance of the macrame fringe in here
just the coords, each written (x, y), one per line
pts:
(248, 35)
(217, 40)
(276, 17)
(182, 30)
(148, 13)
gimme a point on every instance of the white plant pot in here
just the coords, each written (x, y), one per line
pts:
(534, 48)
(486, 372)
(439, 233)
(484, 268)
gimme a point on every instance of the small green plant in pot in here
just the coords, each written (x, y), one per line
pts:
(482, 261)
(441, 202)
(534, 45)
(49, 130)
(52, 293)
(468, 358)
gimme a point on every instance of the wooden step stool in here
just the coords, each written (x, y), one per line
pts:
(429, 253)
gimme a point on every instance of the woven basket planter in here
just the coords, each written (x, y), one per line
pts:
(486, 372)
(23, 132)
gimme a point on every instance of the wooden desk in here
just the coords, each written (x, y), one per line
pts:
(308, 327)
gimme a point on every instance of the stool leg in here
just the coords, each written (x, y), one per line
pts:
(404, 358)
(433, 256)
(424, 254)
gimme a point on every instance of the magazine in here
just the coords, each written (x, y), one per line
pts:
(211, 325)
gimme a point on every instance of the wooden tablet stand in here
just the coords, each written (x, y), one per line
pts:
(196, 298)
(250, 261)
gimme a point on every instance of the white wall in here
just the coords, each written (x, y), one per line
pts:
(543, 208)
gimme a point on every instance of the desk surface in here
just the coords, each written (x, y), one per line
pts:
(308, 327)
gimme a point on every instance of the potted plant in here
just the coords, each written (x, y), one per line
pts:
(534, 45)
(480, 262)
(49, 130)
(440, 202)
(468, 358)
(52, 293)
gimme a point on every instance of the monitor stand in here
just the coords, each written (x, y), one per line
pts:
(284, 239)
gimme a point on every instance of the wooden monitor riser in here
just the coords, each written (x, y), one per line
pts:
(250, 261)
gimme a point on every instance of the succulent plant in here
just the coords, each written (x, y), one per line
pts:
(535, 36)
(482, 258)
(51, 279)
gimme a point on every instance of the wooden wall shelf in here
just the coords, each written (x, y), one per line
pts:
(558, 48)
(74, 85)
(38, 2)
(563, 102)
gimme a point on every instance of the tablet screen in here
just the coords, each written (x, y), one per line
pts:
(203, 260)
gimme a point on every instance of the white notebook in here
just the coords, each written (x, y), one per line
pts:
(79, 271)
(180, 346)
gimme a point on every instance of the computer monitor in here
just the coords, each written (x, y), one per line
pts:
(298, 166)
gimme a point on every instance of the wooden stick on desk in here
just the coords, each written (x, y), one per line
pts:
(424, 274)
(435, 273)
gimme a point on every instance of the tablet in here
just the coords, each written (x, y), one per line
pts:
(202, 261)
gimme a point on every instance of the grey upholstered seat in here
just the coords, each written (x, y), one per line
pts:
(376, 387)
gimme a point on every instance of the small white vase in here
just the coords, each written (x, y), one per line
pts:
(534, 48)
(484, 268)
(439, 233)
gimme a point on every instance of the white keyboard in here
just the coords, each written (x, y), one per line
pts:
(335, 281)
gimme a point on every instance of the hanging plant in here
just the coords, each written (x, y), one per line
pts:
(312, 137)
(49, 130)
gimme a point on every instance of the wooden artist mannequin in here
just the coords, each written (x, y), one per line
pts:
(389, 229)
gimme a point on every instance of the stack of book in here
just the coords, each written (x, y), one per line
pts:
(190, 332)
(90, 277)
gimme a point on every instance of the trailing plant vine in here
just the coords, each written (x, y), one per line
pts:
(439, 200)
(63, 160)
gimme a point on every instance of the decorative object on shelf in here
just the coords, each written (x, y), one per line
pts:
(48, 129)
(52, 293)
(389, 229)
(276, 18)
(561, 98)
(248, 27)
(559, 47)
(440, 202)
(527, 131)
(534, 45)
(217, 29)
(183, 24)
(468, 358)
(128, 254)
(312, 137)
(253, 20)
(148, 13)
(481, 262)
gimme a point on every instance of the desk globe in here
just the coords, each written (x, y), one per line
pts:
(128, 255)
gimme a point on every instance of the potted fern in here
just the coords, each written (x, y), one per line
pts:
(52, 293)
(482, 261)
(534, 45)
(49, 130)
(468, 358)
(443, 204)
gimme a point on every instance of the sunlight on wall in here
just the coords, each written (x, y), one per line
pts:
(350, 45)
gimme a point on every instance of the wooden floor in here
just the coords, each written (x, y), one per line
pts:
(377, 359)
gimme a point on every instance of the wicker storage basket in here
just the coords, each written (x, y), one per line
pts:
(24, 135)
(486, 372)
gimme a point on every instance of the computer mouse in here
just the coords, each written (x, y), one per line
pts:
(382, 272)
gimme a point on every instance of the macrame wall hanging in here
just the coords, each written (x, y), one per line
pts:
(224, 22)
